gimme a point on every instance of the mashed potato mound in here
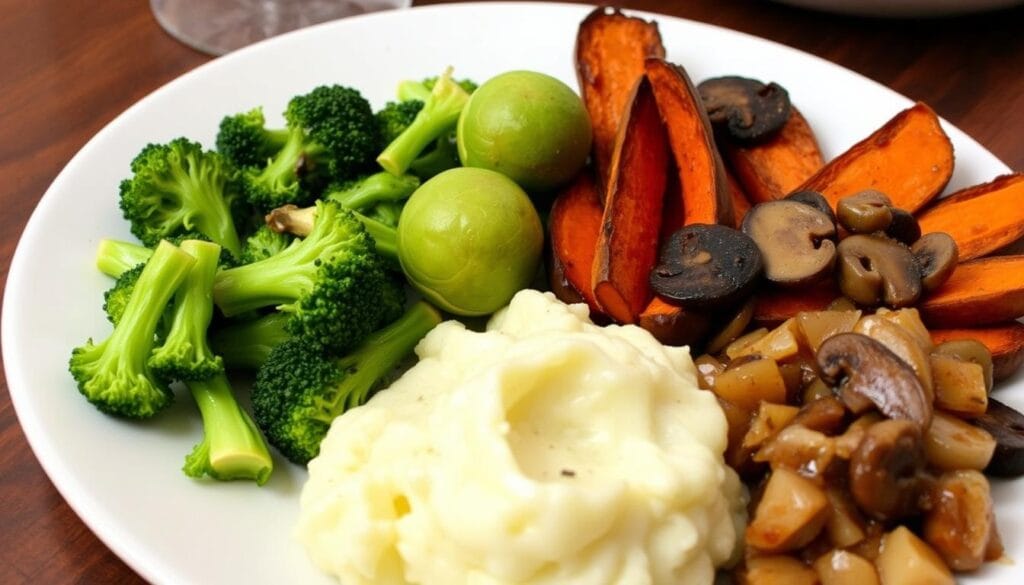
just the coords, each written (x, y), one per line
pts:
(545, 450)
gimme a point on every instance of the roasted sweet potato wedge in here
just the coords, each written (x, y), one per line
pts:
(610, 51)
(703, 186)
(627, 246)
(740, 200)
(909, 158)
(774, 305)
(982, 218)
(1005, 342)
(980, 292)
(574, 224)
(774, 168)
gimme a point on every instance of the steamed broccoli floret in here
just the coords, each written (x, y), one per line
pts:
(116, 298)
(114, 257)
(443, 155)
(184, 353)
(300, 221)
(178, 189)
(332, 135)
(245, 140)
(330, 282)
(395, 117)
(232, 446)
(387, 213)
(440, 112)
(264, 243)
(299, 390)
(245, 345)
(365, 193)
(114, 374)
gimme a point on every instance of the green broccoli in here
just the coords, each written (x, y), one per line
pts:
(232, 446)
(420, 90)
(245, 140)
(395, 117)
(387, 213)
(178, 189)
(114, 374)
(299, 390)
(440, 112)
(184, 353)
(114, 257)
(365, 193)
(300, 221)
(245, 345)
(116, 298)
(332, 135)
(330, 282)
(264, 243)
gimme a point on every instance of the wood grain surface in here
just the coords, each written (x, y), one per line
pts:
(68, 67)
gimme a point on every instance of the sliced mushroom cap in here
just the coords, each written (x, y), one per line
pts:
(876, 270)
(748, 110)
(863, 368)
(865, 212)
(904, 227)
(796, 241)
(815, 200)
(1006, 426)
(291, 219)
(937, 255)
(886, 469)
(707, 267)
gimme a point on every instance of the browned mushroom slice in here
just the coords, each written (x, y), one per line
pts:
(865, 212)
(707, 266)
(866, 369)
(937, 254)
(747, 109)
(875, 269)
(815, 200)
(886, 470)
(796, 241)
(960, 523)
(1006, 426)
(904, 227)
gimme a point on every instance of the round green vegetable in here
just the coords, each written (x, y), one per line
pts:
(528, 126)
(469, 239)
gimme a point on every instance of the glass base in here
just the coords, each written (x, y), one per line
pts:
(220, 26)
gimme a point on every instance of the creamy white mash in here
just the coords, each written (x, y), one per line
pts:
(546, 450)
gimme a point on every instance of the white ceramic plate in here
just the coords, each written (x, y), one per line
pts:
(124, 478)
(903, 8)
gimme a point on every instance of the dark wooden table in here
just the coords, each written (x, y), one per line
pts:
(68, 67)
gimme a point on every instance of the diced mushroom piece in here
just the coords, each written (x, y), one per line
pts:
(840, 567)
(864, 369)
(874, 270)
(779, 344)
(746, 109)
(797, 241)
(904, 227)
(865, 212)
(960, 523)
(1005, 426)
(845, 525)
(776, 570)
(708, 368)
(951, 443)
(851, 438)
(825, 415)
(817, 326)
(767, 422)
(707, 267)
(737, 456)
(907, 560)
(737, 348)
(973, 351)
(902, 343)
(959, 386)
(751, 382)
(799, 449)
(886, 470)
(733, 328)
(815, 200)
(791, 513)
(937, 255)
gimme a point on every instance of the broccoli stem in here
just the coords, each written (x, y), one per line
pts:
(374, 189)
(246, 345)
(114, 374)
(409, 90)
(439, 114)
(280, 174)
(384, 236)
(115, 257)
(232, 446)
(379, 353)
(299, 221)
(185, 354)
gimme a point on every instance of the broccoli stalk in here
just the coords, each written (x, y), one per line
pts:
(232, 446)
(299, 391)
(114, 374)
(362, 195)
(439, 114)
(114, 257)
(247, 344)
(185, 354)
(332, 282)
(179, 189)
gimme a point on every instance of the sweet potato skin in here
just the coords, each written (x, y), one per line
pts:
(980, 292)
(773, 169)
(740, 200)
(573, 225)
(1005, 342)
(610, 51)
(909, 158)
(773, 305)
(982, 218)
(627, 246)
(703, 186)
